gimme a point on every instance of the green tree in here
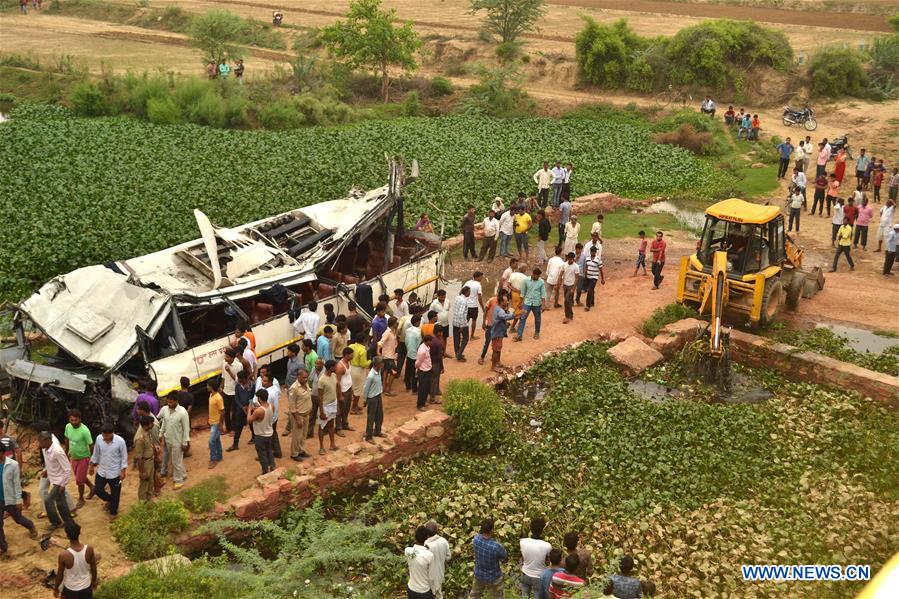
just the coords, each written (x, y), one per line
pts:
(508, 19)
(604, 53)
(216, 33)
(369, 38)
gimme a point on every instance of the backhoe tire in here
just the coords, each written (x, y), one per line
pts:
(794, 290)
(771, 301)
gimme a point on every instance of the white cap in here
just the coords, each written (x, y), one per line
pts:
(497, 199)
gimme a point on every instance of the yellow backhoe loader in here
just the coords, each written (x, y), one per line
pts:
(745, 268)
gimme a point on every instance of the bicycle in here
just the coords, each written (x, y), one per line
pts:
(675, 96)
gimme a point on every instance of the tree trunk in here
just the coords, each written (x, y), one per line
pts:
(385, 82)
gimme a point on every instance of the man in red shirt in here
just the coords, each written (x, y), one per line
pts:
(658, 259)
(850, 211)
(564, 583)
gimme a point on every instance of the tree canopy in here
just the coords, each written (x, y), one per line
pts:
(369, 38)
(508, 19)
(215, 33)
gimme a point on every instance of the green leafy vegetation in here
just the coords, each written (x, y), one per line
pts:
(497, 94)
(691, 489)
(124, 187)
(837, 72)
(666, 315)
(716, 54)
(145, 530)
(303, 555)
(201, 497)
(509, 19)
(477, 410)
(824, 341)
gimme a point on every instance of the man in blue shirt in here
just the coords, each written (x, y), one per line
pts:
(546, 579)
(110, 461)
(488, 553)
(786, 151)
(533, 293)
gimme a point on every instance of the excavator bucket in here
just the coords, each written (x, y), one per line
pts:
(814, 282)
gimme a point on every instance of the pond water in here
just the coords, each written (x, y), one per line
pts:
(652, 391)
(522, 392)
(693, 220)
(861, 340)
(742, 390)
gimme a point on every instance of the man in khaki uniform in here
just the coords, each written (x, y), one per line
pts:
(299, 402)
(144, 459)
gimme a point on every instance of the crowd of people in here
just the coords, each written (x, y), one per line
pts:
(851, 213)
(223, 70)
(546, 572)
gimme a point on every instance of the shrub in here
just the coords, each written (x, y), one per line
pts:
(441, 86)
(837, 72)
(497, 94)
(145, 89)
(208, 110)
(201, 497)
(188, 92)
(144, 531)
(478, 414)
(89, 100)
(687, 137)
(604, 52)
(666, 315)
(193, 580)
(412, 104)
(163, 111)
(507, 51)
(236, 112)
(280, 115)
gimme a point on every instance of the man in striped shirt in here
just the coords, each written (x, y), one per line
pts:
(564, 582)
(592, 272)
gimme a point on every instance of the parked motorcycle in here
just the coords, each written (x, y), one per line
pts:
(804, 117)
(277, 17)
(840, 142)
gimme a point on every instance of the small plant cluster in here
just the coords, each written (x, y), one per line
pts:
(201, 497)
(478, 414)
(145, 530)
(666, 315)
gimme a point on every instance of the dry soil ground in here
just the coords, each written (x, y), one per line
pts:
(863, 297)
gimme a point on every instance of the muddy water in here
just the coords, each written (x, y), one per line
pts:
(524, 392)
(742, 390)
(694, 220)
(652, 391)
(861, 340)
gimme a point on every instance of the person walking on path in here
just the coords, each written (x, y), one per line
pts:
(11, 494)
(862, 220)
(800, 181)
(833, 190)
(821, 186)
(658, 259)
(488, 321)
(419, 560)
(785, 148)
(564, 218)
(260, 420)
(890, 256)
(110, 462)
(558, 180)
(499, 330)
(593, 272)
(174, 430)
(57, 472)
(372, 400)
(76, 568)
(544, 228)
(641, 254)
(534, 552)
(79, 445)
(488, 555)
(794, 202)
(488, 242)
(837, 221)
(442, 551)
(423, 368)
(571, 274)
(885, 225)
(543, 179)
(844, 243)
(144, 452)
(299, 406)
(572, 232)
(468, 247)
(460, 323)
(533, 293)
(216, 422)
(553, 278)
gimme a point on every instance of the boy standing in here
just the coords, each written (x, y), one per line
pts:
(641, 254)
(78, 443)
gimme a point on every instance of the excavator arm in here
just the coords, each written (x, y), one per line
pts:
(715, 298)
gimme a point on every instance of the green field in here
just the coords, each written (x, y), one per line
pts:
(78, 191)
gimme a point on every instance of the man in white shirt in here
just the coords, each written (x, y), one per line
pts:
(559, 174)
(708, 106)
(441, 306)
(506, 230)
(475, 299)
(174, 429)
(398, 305)
(504, 278)
(243, 347)
(594, 243)
(308, 322)
(57, 470)
(488, 243)
(571, 272)
(419, 559)
(533, 558)
(543, 178)
(553, 273)
(799, 180)
(441, 550)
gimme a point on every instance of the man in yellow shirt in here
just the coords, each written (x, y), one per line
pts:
(844, 242)
(216, 422)
(523, 223)
(359, 366)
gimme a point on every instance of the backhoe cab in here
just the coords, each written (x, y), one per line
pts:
(745, 269)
